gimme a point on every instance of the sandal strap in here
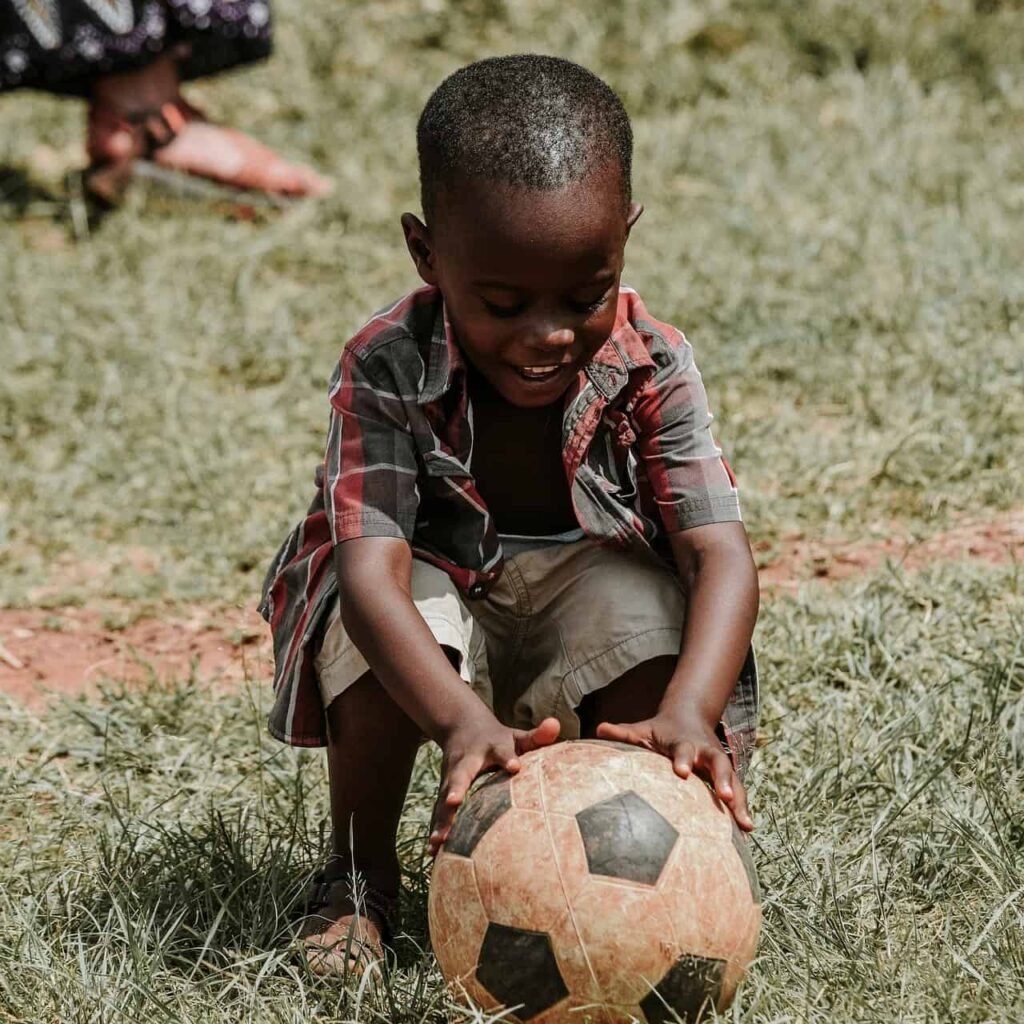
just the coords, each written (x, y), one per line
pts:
(151, 128)
(364, 898)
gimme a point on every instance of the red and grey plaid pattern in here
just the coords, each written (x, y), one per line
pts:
(637, 447)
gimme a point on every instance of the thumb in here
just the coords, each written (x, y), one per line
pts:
(621, 733)
(542, 735)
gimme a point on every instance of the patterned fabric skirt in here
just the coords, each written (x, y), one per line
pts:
(61, 45)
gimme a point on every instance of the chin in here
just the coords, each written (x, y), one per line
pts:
(533, 402)
(532, 398)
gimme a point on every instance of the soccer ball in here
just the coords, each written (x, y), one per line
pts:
(594, 886)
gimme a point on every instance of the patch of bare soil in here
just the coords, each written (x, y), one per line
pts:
(73, 650)
(997, 540)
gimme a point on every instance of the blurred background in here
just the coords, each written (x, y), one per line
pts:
(833, 194)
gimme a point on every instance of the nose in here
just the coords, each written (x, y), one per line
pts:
(550, 339)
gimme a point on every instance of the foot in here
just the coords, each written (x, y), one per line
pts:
(231, 157)
(341, 936)
(142, 115)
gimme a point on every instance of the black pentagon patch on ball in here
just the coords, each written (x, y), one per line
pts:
(485, 805)
(518, 968)
(743, 849)
(625, 837)
(691, 987)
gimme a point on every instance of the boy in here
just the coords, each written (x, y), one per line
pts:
(523, 529)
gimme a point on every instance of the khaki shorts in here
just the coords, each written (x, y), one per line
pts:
(561, 622)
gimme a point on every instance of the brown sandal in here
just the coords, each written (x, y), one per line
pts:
(345, 953)
(257, 174)
(107, 178)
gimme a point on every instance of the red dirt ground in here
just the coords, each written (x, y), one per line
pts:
(996, 541)
(71, 650)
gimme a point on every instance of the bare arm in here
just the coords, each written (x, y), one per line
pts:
(377, 610)
(718, 573)
(379, 615)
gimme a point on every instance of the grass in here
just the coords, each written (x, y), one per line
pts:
(839, 245)
(155, 844)
(833, 192)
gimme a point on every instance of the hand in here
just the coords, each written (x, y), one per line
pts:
(692, 746)
(476, 747)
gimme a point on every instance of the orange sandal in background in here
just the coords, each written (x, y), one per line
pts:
(124, 144)
(117, 141)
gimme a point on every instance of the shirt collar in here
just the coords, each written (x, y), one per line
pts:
(623, 353)
(444, 358)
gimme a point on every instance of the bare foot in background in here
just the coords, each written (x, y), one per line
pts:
(142, 115)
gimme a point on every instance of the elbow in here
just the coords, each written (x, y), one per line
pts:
(721, 554)
(369, 570)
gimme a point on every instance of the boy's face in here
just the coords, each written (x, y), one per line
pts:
(530, 278)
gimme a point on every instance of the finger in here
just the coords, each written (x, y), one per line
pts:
(462, 777)
(503, 757)
(438, 832)
(434, 844)
(740, 809)
(440, 825)
(450, 797)
(720, 773)
(683, 757)
(542, 735)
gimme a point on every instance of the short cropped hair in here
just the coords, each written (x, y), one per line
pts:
(524, 120)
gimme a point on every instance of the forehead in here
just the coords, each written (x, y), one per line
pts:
(507, 233)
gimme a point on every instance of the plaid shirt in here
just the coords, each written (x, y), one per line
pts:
(638, 454)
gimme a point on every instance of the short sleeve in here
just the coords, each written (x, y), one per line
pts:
(370, 467)
(691, 483)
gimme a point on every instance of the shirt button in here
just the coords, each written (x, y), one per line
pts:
(477, 590)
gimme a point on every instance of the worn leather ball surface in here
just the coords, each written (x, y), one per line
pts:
(595, 886)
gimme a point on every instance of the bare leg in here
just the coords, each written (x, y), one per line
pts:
(633, 697)
(141, 89)
(372, 746)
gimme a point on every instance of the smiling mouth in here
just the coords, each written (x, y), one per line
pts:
(539, 374)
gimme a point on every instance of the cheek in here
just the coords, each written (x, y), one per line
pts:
(479, 335)
(596, 331)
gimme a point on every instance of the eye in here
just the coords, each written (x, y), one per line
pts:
(594, 305)
(504, 312)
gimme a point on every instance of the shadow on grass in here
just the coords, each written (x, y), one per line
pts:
(207, 895)
(20, 196)
(24, 199)
(186, 913)
(181, 882)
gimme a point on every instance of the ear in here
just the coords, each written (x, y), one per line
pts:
(421, 249)
(633, 215)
